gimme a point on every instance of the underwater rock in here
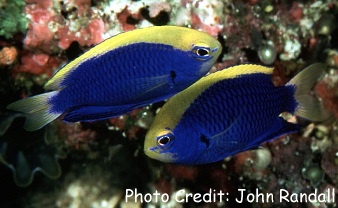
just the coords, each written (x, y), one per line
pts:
(314, 174)
(329, 163)
(327, 89)
(253, 164)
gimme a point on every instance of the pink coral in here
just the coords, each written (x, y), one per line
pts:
(198, 24)
(41, 59)
(77, 137)
(49, 30)
(95, 29)
(44, 4)
(296, 12)
(123, 17)
(157, 7)
(207, 16)
(37, 63)
(39, 34)
(86, 36)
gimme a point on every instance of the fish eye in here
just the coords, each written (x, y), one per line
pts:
(201, 52)
(165, 138)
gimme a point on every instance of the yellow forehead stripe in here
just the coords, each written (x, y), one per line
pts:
(235, 71)
(164, 132)
(180, 102)
(179, 37)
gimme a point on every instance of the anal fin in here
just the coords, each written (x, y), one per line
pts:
(93, 113)
(281, 127)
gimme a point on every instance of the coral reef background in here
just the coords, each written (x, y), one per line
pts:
(91, 164)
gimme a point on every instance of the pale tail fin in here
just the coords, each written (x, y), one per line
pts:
(309, 106)
(36, 110)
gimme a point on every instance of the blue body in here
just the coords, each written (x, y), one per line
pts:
(231, 116)
(123, 79)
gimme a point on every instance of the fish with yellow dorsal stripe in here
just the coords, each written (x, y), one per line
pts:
(122, 73)
(230, 111)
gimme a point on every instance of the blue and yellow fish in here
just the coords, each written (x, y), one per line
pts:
(122, 73)
(230, 111)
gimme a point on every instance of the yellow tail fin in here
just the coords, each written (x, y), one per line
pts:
(36, 110)
(309, 106)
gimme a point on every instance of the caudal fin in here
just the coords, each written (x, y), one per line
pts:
(36, 110)
(309, 106)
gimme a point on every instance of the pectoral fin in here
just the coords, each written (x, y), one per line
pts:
(150, 88)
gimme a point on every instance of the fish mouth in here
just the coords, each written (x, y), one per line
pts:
(158, 150)
(160, 154)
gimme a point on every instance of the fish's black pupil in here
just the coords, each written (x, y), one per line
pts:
(164, 140)
(202, 52)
